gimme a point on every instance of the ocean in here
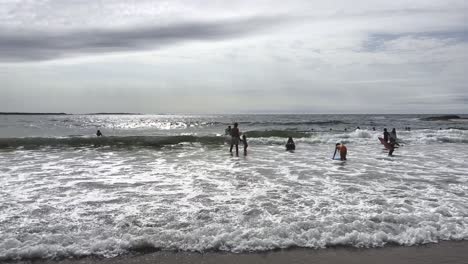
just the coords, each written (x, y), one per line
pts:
(168, 182)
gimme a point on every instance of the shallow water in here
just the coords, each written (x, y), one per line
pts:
(60, 200)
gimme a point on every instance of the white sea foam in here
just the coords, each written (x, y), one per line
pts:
(168, 182)
(82, 201)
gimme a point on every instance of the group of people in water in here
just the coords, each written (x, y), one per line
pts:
(391, 139)
(340, 149)
(235, 135)
(235, 139)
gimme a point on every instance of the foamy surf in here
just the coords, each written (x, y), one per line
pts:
(77, 199)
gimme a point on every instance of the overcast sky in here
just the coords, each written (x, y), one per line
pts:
(196, 56)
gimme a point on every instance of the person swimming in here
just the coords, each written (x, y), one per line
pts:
(98, 133)
(290, 145)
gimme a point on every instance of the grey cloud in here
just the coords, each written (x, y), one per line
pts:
(17, 46)
(376, 41)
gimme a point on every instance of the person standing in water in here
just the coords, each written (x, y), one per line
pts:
(227, 134)
(290, 144)
(228, 130)
(393, 135)
(393, 138)
(385, 135)
(235, 138)
(244, 141)
(341, 148)
(98, 133)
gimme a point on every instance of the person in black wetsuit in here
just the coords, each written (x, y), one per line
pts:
(98, 133)
(386, 135)
(290, 144)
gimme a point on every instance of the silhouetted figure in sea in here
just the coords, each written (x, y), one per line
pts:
(358, 128)
(235, 138)
(345, 129)
(393, 135)
(386, 135)
(98, 133)
(290, 145)
(373, 128)
(246, 145)
(228, 130)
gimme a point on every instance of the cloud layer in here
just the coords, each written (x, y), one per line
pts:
(234, 56)
(37, 45)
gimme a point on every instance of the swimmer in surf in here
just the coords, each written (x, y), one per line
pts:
(98, 133)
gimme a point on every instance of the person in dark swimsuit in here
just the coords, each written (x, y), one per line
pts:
(386, 135)
(98, 133)
(290, 144)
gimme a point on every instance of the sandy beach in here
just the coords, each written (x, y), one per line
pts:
(444, 252)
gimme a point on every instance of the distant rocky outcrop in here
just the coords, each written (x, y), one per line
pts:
(440, 118)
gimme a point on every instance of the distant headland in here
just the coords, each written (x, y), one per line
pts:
(26, 113)
(29, 113)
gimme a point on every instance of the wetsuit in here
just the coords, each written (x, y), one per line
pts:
(386, 135)
(290, 145)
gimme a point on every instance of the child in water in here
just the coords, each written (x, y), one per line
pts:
(244, 141)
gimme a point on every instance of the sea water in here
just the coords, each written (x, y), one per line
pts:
(168, 182)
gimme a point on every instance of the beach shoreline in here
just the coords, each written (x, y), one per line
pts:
(454, 252)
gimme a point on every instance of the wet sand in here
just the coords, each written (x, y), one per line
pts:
(444, 252)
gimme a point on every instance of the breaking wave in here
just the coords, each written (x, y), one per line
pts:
(259, 137)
